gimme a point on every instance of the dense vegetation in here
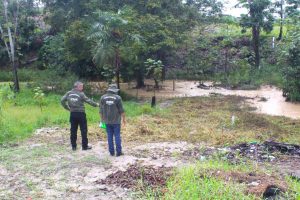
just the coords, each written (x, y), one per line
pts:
(106, 40)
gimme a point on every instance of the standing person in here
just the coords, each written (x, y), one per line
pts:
(111, 113)
(73, 101)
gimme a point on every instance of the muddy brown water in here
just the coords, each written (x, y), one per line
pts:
(267, 99)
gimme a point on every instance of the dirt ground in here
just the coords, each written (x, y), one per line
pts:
(44, 167)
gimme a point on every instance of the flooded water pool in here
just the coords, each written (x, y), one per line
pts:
(267, 99)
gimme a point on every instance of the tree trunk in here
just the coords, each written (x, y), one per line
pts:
(16, 78)
(140, 79)
(161, 56)
(255, 40)
(226, 65)
(11, 51)
(117, 65)
(281, 21)
(156, 84)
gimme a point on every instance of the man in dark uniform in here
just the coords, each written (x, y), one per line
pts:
(111, 113)
(73, 101)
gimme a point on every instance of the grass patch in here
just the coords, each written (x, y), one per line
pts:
(217, 179)
(193, 182)
(294, 192)
(22, 115)
(208, 119)
(24, 74)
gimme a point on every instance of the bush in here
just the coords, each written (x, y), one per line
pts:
(52, 81)
(53, 54)
(291, 73)
(5, 76)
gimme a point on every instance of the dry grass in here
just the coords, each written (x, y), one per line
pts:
(208, 119)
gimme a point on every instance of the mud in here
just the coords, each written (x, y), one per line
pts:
(45, 167)
(267, 151)
(139, 177)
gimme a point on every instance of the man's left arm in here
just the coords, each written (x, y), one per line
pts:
(123, 118)
(89, 101)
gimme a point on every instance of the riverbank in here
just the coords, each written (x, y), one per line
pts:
(266, 100)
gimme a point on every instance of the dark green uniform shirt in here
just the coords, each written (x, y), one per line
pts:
(111, 108)
(74, 101)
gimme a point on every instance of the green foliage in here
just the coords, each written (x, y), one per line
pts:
(292, 8)
(5, 94)
(108, 73)
(78, 49)
(24, 74)
(201, 60)
(239, 75)
(76, 43)
(154, 70)
(23, 22)
(208, 9)
(108, 34)
(291, 73)
(52, 81)
(52, 54)
(195, 182)
(259, 15)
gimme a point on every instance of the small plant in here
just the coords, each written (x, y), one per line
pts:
(39, 97)
(6, 93)
(154, 70)
(109, 73)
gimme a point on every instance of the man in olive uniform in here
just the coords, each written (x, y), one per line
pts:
(111, 113)
(73, 101)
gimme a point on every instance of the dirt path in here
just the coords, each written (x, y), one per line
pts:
(44, 167)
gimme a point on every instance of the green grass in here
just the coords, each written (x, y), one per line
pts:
(294, 192)
(21, 116)
(236, 31)
(194, 182)
(24, 74)
(197, 182)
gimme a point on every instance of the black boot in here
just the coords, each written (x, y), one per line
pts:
(87, 148)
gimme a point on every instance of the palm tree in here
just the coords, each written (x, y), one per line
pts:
(111, 32)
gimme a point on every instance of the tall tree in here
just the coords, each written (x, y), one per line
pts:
(279, 4)
(110, 33)
(291, 69)
(208, 9)
(286, 8)
(9, 22)
(258, 17)
(163, 24)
